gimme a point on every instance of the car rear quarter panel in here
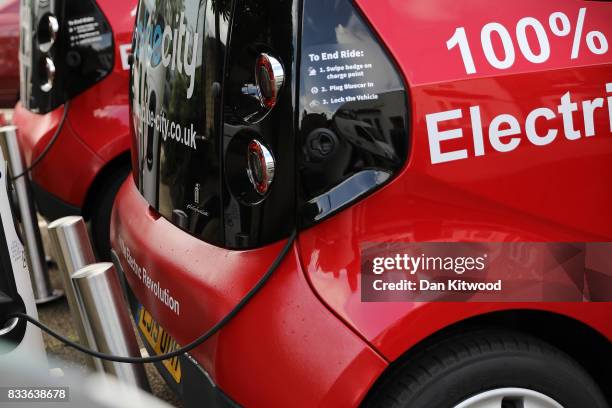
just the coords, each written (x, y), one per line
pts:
(558, 192)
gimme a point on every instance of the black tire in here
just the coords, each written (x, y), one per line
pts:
(101, 208)
(458, 367)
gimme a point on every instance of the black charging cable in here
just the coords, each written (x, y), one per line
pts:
(49, 145)
(195, 343)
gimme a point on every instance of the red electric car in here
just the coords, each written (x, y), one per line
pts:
(9, 51)
(362, 123)
(73, 113)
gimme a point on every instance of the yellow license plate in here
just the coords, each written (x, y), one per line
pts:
(160, 341)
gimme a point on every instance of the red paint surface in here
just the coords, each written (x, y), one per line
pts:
(9, 52)
(416, 32)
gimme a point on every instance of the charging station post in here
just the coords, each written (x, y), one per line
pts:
(39, 274)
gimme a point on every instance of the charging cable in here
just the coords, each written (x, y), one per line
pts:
(195, 343)
(49, 145)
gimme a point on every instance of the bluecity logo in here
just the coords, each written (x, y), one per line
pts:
(157, 42)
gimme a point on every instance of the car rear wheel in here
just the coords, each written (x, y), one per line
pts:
(102, 206)
(488, 369)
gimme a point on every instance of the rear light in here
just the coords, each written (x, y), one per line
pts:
(48, 29)
(47, 75)
(259, 101)
(260, 167)
(269, 76)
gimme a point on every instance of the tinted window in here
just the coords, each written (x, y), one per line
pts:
(179, 49)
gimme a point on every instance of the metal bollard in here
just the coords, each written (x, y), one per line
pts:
(39, 273)
(99, 291)
(72, 250)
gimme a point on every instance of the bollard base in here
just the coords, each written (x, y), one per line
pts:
(55, 295)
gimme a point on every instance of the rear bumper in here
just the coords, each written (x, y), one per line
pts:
(284, 348)
(196, 389)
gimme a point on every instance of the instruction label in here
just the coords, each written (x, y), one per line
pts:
(336, 74)
(83, 31)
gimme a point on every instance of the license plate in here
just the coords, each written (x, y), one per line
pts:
(160, 342)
